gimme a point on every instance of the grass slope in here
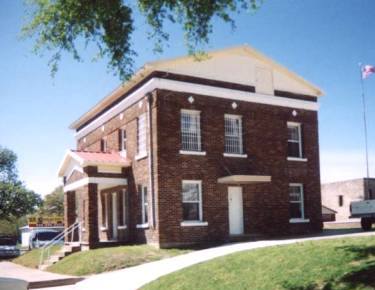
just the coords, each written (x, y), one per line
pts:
(344, 264)
(31, 258)
(109, 259)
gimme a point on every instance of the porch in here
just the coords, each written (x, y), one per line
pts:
(96, 197)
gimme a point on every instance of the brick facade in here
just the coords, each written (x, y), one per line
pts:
(265, 205)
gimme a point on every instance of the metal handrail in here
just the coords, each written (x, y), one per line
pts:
(47, 247)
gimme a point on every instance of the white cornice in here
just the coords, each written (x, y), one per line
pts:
(187, 87)
(103, 182)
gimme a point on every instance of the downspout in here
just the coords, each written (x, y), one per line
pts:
(151, 158)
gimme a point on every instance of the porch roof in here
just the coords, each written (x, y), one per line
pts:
(87, 158)
(244, 179)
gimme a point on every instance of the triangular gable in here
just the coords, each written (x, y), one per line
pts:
(238, 65)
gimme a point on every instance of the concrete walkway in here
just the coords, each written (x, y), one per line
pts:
(135, 277)
(35, 278)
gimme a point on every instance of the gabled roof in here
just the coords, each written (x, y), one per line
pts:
(189, 63)
(87, 158)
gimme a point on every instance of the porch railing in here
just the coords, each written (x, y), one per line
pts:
(46, 249)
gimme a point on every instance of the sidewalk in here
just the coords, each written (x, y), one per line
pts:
(135, 277)
(35, 278)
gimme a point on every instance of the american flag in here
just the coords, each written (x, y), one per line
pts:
(367, 70)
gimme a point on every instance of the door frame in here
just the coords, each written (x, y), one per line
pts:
(238, 210)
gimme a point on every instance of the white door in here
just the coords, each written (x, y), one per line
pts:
(235, 210)
(114, 216)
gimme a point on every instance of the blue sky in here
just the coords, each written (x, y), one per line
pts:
(321, 40)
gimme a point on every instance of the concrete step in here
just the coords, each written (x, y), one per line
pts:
(245, 237)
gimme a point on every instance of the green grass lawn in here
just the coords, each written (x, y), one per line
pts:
(343, 264)
(31, 258)
(109, 259)
(100, 260)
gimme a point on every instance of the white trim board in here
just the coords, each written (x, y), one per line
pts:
(186, 87)
(103, 182)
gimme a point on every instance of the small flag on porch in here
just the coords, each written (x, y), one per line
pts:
(367, 70)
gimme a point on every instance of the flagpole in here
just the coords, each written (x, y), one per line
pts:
(365, 128)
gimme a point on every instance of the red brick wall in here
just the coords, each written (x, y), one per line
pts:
(266, 206)
(138, 174)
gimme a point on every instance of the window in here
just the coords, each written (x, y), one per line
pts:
(294, 140)
(233, 134)
(144, 203)
(122, 140)
(296, 203)
(190, 130)
(370, 194)
(192, 200)
(103, 145)
(141, 135)
(341, 200)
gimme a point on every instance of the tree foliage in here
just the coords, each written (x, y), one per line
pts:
(53, 203)
(8, 171)
(59, 25)
(15, 199)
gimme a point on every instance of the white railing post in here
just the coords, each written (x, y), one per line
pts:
(47, 247)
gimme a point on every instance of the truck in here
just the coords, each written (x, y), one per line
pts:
(365, 210)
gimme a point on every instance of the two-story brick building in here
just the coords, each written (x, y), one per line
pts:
(194, 151)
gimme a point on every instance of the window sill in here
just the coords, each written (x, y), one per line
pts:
(122, 227)
(297, 159)
(123, 153)
(103, 229)
(201, 153)
(299, 221)
(83, 230)
(194, 224)
(143, 226)
(235, 155)
(140, 156)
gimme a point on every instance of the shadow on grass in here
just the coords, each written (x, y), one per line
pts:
(360, 252)
(364, 275)
(312, 286)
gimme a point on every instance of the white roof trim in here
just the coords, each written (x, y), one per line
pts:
(179, 86)
(103, 182)
(238, 179)
(71, 156)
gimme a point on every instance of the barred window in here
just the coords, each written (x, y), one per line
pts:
(192, 200)
(296, 201)
(141, 135)
(233, 134)
(294, 140)
(190, 130)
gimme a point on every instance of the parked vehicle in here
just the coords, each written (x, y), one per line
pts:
(8, 247)
(41, 237)
(366, 211)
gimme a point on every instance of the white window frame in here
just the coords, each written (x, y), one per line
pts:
(200, 221)
(302, 219)
(123, 140)
(187, 149)
(240, 152)
(141, 136)
(298, 126)
(123, 222)
(144, 224)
